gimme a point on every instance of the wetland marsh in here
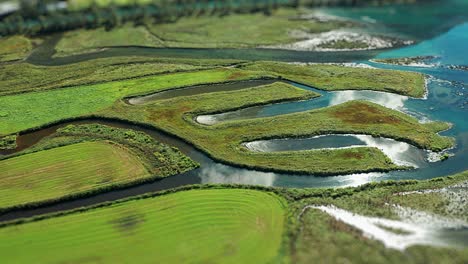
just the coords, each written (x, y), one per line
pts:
(328, 133)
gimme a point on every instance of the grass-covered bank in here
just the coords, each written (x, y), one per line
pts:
(82, 160)
(8, 142)
(24, 77)
(223, 141)
(28, 110)
(16, 48)
(200, 226)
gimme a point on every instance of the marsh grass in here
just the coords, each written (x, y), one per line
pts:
(223, 141)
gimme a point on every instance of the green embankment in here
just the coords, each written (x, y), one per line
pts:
(334, 77)
(85, 159)
(196, 226)
(23, 111)
(15, 48)
(223, 141)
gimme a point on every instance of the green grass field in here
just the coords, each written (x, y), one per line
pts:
(79, 160)
(196, 226)
(66, 170)
(83, 40)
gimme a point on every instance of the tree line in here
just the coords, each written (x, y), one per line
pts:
(40, 16)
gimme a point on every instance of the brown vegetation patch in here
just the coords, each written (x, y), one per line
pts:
(362, 113)
(352, 155)
(168, 114)
(236, 75)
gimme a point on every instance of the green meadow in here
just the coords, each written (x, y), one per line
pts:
(66, 170)
(196, 226)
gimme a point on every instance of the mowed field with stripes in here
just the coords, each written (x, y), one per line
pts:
(53, 173)
(194, 226)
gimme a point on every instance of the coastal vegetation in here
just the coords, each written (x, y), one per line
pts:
(406, 61)
(320, 235)
(224, 141)
(201, 226)
(85, 159)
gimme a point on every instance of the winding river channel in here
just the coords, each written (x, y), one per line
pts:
(446, 101)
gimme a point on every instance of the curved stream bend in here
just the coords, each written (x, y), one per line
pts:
(326, 98)
(400, 153)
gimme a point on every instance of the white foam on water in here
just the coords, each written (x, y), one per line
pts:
(314, 42)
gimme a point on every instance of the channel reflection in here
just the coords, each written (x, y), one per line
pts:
(389, 100)
(401, 153)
